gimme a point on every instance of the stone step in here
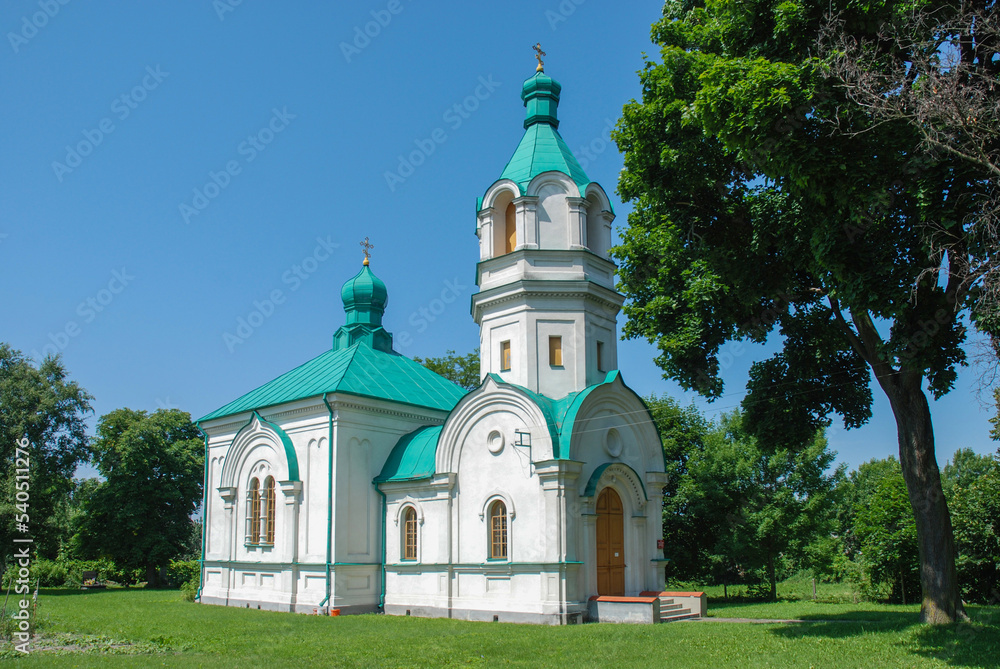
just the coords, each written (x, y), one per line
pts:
(677, 615)
(670, 607)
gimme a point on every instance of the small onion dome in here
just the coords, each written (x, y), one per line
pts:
(365, 293)
(540, 94)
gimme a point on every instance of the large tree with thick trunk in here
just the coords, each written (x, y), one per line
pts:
(770, 201)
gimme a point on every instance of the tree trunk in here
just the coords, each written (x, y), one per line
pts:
(152, 577)
(771, 576)
(941, 602)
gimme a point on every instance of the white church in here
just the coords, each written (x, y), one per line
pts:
(361, 481)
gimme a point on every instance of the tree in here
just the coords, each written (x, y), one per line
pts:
(964, 468)
(945, 88)
(767, 201)
(976, 510)
(887, 533)
(140, 515)
(462, 370)
(683, 432)
(43, 405)
(781, 497)
(860, 488)
(733, 508)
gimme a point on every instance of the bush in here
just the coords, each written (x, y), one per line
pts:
(181, 572)
(190, 588)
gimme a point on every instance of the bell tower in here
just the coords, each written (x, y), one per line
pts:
(547, 302)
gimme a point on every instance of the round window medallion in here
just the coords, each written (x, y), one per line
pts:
(495, 442)
(613, 443)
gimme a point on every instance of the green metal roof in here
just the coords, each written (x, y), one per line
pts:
(413, 456)
(542, 149)
(356, 370)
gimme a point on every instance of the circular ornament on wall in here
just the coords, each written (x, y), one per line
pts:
(495, 442)
(613, 443)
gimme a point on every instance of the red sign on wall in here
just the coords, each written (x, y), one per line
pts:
(659, 543)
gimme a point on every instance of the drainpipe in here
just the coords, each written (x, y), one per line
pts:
(381, 595)
(329, 507)
(204, 518)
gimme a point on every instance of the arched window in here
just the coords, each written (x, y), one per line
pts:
(253, 512)
(498, 531)
(269, 501)
(510, 229)
(410, 534)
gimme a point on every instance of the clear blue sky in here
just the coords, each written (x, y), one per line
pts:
(103, 256)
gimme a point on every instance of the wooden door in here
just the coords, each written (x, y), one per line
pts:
(610, 544)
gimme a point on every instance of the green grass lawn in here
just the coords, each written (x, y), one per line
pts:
(166, 631)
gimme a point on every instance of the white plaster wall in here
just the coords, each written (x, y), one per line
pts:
(553, 217)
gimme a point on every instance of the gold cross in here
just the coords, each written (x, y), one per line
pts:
(367, 247)
(538, 54)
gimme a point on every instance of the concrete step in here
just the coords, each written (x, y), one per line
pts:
(676, 614)
(670, 607)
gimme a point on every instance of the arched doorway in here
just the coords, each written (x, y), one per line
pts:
(610, 544)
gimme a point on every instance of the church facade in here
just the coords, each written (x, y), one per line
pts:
(362, 481)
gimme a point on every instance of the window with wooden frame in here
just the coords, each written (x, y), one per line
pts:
(555, 351)
(269, 504)
(253, 512)
(410, 534)
(505, 356)
(498, 531)
(600, 356)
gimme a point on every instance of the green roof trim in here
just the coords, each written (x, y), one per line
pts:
(414, 455)
(357, 370)
(286, 442)
(412, 458)
(596, 476)
(560, 415)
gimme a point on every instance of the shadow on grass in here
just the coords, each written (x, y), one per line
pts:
(972, 644)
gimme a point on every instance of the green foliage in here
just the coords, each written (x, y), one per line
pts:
(965, 467)
(41, 403)
(856, 492)
(180, 572)
(736, 512)
(152, 465)
(975, 509)
(888, 539)
(69, 572)
(462, 370)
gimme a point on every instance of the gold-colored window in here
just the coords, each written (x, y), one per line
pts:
(498, 531)
(555, 351)
(253, 512)
(510, 230)
(600, 356)
(410, 534)
(505, 356)
(269, 503)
